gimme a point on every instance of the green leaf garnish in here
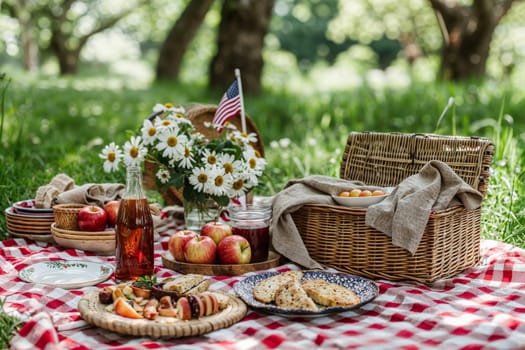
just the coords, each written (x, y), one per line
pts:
(146, 282)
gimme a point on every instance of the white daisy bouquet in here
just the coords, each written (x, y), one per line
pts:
(219, 169)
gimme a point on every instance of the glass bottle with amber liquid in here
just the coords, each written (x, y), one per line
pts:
(134, 231)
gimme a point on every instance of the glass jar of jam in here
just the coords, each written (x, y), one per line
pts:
(253, 223)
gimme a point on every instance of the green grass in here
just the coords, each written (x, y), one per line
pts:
(8, 326)
(55, 126)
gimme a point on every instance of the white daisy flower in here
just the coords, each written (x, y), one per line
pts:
(112, 156)
(239, 187)
(285, 142)
(254, 161)
(209, 157)
(163, 175)
(244, 138)
(149, 132)
(178, 112)
(164, 123)
(187, 160)
(230, 126)
(229, 163)
(171, 143)
(200, 179)
(134, 151)
(220, 183)
(159, 107)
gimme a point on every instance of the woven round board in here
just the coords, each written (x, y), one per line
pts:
(94, 312)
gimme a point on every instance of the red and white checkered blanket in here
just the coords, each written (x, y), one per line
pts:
(483, 308)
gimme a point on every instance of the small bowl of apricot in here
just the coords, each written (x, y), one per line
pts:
(359, 197)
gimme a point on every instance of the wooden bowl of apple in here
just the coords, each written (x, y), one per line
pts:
(360, 197)
(215, 244)
(215, 251)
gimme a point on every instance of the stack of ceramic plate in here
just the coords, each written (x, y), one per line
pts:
(102, 242)
(25, 220)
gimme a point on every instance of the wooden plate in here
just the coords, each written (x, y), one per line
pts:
(35, 224)
(219, 269)
(39, 238)
(101, 247)
(108, 232)
(28, 229)
(93, 312)
(83, 238)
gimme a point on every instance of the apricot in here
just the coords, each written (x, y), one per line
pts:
(344, 194)
(355, 192)
(378, 193)
(365, 193)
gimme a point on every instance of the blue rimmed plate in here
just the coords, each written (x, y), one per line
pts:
(29, 206)
(365, 289)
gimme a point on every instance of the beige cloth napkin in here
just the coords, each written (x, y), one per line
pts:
(316, 189)
(46, 194)
(404, 214)
(97, 194)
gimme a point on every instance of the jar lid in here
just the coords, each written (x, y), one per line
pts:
(250, 212)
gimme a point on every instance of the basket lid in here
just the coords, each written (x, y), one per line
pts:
(386, 159)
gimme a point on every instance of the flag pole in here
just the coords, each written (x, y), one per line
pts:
(243, 116)
(243, 198)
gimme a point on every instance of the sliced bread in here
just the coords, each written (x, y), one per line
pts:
(292, 296)
(264, 291)
(199, 288)
(329, 294)
(182, 284)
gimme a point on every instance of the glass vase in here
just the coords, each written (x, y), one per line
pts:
(197, 214)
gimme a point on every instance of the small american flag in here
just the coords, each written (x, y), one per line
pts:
(229, 106)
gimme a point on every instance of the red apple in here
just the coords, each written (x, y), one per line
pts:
(92, 218)
(200, 250)
(111, 209)
(234, 249)
(216, 230)
(177, 242)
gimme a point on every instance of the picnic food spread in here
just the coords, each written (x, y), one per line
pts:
(190, 304)
(184, 297)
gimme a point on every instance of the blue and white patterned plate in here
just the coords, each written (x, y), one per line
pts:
(365, 289)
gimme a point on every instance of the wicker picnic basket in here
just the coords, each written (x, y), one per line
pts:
(338, 237)
(198, 114)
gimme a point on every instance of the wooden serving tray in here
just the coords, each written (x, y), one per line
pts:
(93, 312)
(168, 261)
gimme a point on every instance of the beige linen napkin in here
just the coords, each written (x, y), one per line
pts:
(47, 193)
(315, 189)
(404, 214)
(97, 194)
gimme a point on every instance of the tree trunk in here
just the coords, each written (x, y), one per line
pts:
(67, 54)
(467, 33)
(244, 24)
(67, 58)
(179, 38)
(21, 11)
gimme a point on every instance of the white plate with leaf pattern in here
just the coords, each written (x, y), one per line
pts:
(67, 274)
